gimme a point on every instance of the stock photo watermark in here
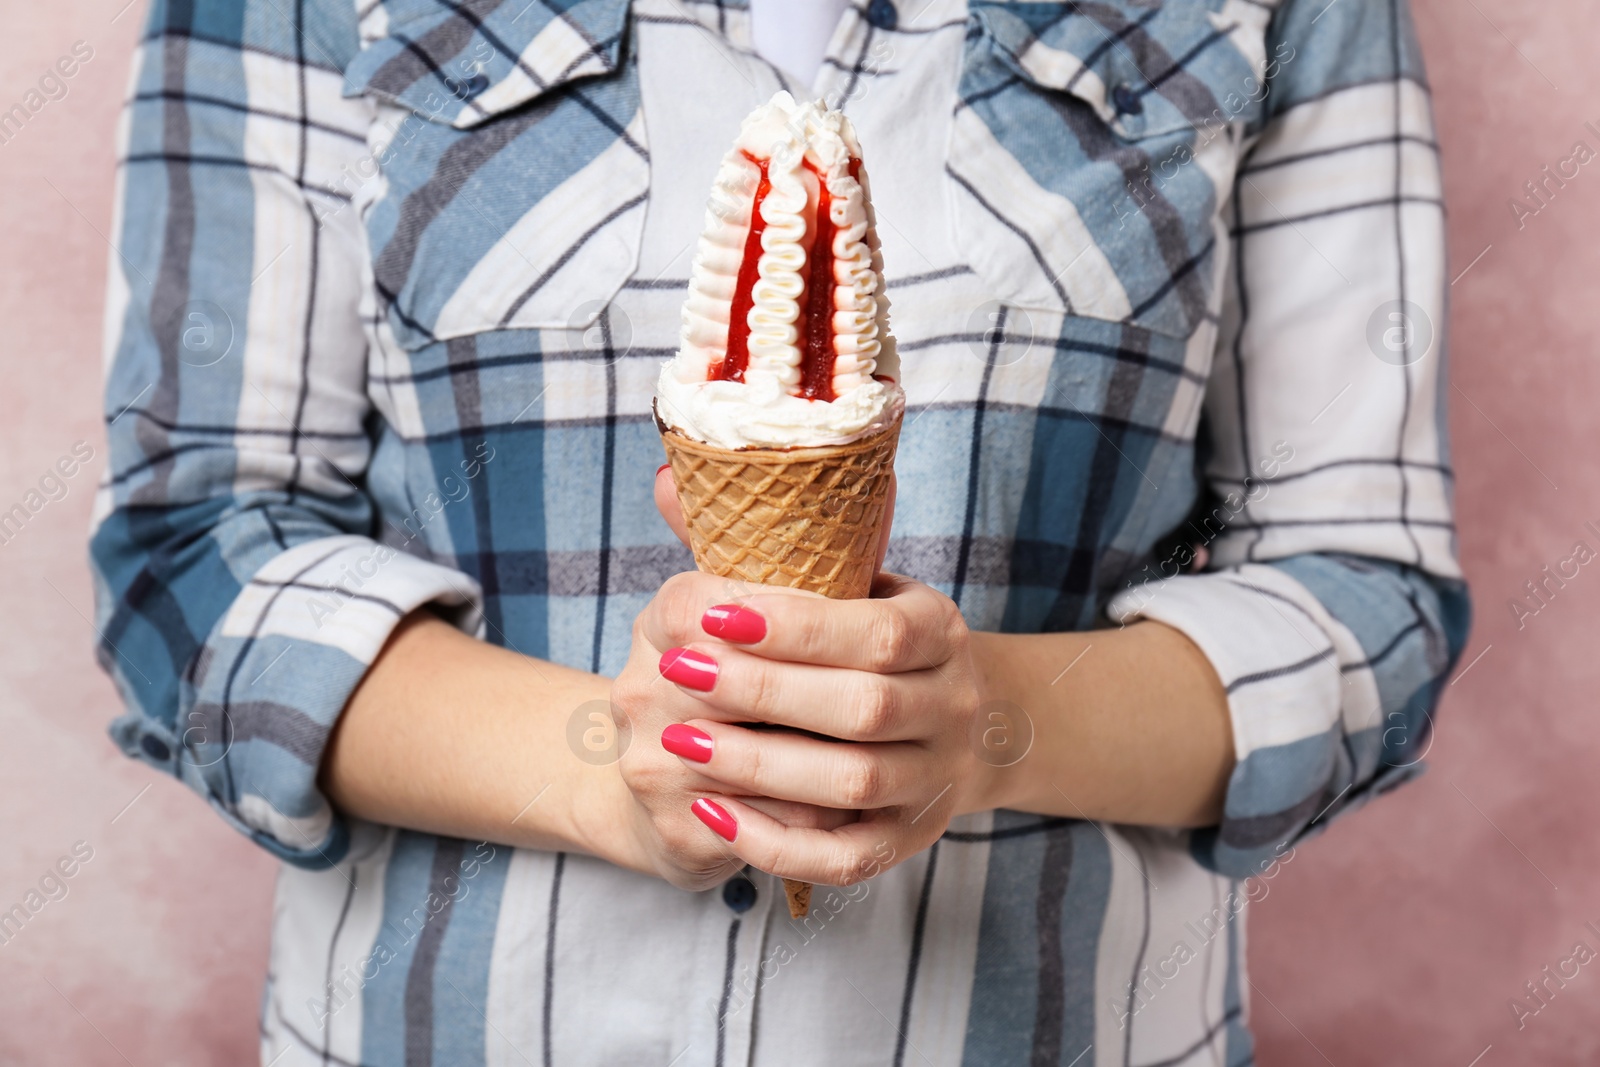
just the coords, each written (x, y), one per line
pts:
(825, 907)
(1001, 733)
(596, 734)
(1399, 333)
(1541, 591)
(1543, 988)
(600, 331)
(1152, 978)
(346, 986)
(999, 334)
(51, 87)
(1541, 191)
(1212, 526)
(433, 504)
(1147, 186)
(204, 330)
(872, 63)
(52, 887)
(52, 488)
(353, 578)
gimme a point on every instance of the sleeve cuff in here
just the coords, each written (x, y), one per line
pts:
(1281, 658)
(261, 696)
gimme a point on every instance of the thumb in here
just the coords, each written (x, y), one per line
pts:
(667, 502)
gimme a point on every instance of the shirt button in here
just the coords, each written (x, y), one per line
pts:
(739, 894)
(881, 13)
(155, 748)
(1126, 99)
(474, 86)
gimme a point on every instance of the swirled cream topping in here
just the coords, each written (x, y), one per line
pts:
(785, 336)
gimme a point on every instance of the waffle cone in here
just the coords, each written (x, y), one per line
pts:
(798, 894)
(806, 518)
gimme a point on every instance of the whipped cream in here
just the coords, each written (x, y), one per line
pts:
(807, 151)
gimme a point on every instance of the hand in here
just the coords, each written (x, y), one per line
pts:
(663, 790)
(884, 689)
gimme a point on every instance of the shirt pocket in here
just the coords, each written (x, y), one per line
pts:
(1092, 144)
(512, 163)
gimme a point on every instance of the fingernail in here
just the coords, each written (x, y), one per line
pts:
(661, 468)
(733, 623)
(713, 816)
(689, 669)
(684, 740)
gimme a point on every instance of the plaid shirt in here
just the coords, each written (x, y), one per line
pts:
(394, 281)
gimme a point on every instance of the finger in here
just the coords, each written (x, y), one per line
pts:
(802, 816)
(667, 502)
(676, 614)
(798, 767)
(904, 626)
(841, 857)
(735, 686)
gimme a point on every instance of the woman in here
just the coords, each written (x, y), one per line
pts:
(383, 576)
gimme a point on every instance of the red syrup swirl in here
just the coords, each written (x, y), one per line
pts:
(738, 354)
(816, 314)
(815, 341)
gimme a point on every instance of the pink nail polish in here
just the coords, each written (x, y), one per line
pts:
(684, 740)
(734, 623)
(661, 468)
(713, 816)
(689, 668)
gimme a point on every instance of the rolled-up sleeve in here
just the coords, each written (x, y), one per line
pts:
(1333, 608)
(242, 585)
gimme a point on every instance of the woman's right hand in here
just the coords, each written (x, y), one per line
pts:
(666, 837)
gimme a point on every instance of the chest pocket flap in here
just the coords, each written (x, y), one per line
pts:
(517, 199)
(1145, 68)
(1075, 148)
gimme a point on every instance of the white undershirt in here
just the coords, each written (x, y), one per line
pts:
(793, 35)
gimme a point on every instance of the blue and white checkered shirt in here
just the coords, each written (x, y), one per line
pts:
(393, 285)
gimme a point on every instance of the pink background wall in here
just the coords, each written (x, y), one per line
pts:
(1397, 938)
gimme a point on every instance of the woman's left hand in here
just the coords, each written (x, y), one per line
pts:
(885, 690)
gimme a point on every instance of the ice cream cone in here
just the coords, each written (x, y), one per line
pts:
(807, 518)
(785, 348)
